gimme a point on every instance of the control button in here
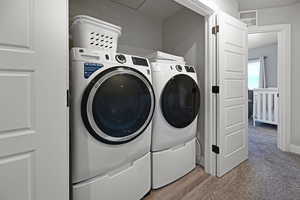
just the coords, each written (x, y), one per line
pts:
(121, 58)
(192, 69)
(179, 68)
(107, 57)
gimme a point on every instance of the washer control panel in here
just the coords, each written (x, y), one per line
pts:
(122, 59)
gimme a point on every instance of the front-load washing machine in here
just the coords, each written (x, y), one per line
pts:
(174, 121)
(112, 104)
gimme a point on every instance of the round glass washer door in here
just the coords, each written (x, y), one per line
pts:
(118, 105)
(180, 101)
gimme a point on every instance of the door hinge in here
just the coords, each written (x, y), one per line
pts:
(215, 29)
(68, 98)
(215, 149)
(215, 89)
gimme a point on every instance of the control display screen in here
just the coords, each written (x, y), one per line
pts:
(140, 61)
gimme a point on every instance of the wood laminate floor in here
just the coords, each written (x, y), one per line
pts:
(268, 174)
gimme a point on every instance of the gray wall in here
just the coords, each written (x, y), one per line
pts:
(141, 35)
(189, 42)
(289, 15)
(270, 51)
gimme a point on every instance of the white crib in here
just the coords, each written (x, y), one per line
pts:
(265, 105)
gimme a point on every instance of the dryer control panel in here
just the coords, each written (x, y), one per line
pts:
(181, 68)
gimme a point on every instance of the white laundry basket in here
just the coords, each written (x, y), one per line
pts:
(92, 33)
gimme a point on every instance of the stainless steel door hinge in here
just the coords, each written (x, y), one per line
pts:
(215, 29)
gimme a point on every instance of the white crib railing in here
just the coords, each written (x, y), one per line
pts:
(265, 105)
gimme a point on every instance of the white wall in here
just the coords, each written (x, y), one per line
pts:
(189, 42)
(270, 51)
(140, 34)
(289, 15)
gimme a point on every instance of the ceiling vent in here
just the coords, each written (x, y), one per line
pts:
(249, 17)
(133, 4)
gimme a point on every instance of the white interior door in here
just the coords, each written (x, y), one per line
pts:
(33, 114)
(232, 101)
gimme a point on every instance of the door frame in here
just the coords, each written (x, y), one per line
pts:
(284, 80)
(207, 9)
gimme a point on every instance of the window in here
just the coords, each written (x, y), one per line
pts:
(253, 74)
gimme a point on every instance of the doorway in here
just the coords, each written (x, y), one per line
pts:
(283, 34)
(263, 93)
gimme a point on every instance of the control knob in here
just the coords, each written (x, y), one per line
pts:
(179, 68)
(121, 58)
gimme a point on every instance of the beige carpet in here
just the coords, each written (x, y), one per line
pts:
(269, 174)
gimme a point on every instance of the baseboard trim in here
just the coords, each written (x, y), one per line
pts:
(200, 160)
(294, 149)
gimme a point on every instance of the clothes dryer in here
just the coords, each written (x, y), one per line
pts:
(175, 120)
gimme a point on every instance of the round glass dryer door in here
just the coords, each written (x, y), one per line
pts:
(180, 101)
(118, 105)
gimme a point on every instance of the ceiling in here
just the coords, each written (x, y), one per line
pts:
(161, 10)
(134, 4)
(259, 4)
(261, 39)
